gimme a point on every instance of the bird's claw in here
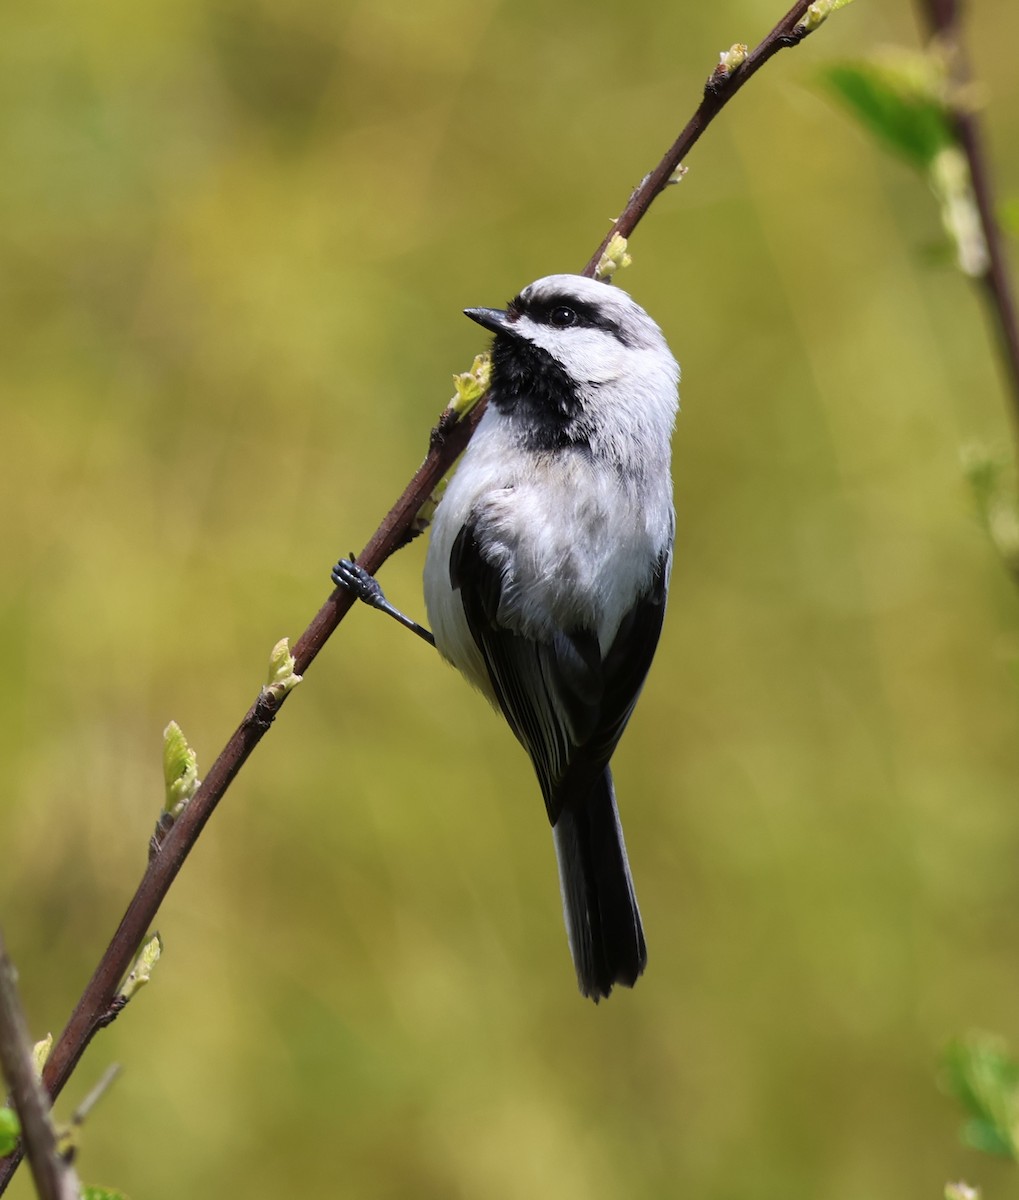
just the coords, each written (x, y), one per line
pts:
(349, 574)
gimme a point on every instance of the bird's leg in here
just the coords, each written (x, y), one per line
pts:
(366, 588)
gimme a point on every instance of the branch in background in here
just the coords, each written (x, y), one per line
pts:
(54, 1178)
(99, 1003)
(943, 20)
(921, 105)
(734, 70)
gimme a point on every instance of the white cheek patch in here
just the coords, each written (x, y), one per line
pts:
(588, 355)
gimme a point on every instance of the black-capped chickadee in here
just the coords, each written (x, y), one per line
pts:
(548, 569)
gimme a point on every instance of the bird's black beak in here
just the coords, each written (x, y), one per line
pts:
(493, 319)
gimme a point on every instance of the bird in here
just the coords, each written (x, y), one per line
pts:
(548, 569)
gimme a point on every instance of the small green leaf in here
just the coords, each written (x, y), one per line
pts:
(982, 1135)
(902, 97)
(180, 770)
(143, 967)
(909, 101)
(614, 255)
(41, 1052)
(471, 385)
(90, 1192)
(729, 60)
(984, 1078)
(818, 13)
(282, 676)
(10, 1131)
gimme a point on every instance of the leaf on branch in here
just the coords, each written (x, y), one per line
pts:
(144, 964)
(614, 255)
(902, 97)
(471, 385)
(729, 62)
(952, 184)
(818, 13)
(984, 1078)
(41, 1052)
(10, 1131)
(907, 100)
(180, 770)
(282, 676)
(732, 58)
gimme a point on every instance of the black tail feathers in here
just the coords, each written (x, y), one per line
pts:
(599, 903)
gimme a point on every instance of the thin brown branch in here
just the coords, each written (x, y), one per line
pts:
(943, 20)
(54, 1178)
(99, 1003)
(718, 91)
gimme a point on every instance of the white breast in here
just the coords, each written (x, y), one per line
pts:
(576, 546)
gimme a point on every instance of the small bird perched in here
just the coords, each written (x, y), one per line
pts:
(548, 569)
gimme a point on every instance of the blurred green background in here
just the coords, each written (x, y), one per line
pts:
(236, 237)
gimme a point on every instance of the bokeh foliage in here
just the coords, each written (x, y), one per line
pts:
(235, 237)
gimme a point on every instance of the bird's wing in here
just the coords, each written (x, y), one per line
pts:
(564, 703)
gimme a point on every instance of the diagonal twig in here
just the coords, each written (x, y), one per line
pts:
(99, 1003)
(943, 19)
(719, 90)
(54, 1178)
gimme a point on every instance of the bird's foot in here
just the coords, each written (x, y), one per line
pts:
(349, 574)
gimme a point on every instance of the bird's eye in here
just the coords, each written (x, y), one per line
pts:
(562, 317)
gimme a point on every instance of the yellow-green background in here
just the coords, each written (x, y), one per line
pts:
(235, 240)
